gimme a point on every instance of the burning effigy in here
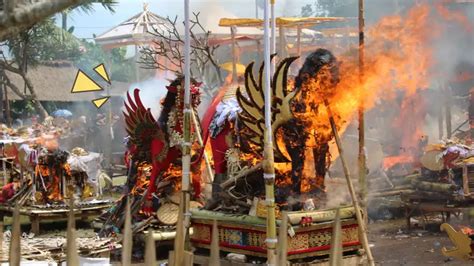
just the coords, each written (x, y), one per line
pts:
(39, 176)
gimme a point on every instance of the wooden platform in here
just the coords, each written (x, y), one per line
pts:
(424, 208)
(245, 234)
(38, 214)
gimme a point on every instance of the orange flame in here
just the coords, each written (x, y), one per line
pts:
(466, 230)
(399, 56)
(49, 141)
(389, 162)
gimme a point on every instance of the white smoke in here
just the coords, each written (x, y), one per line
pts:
(151, 93)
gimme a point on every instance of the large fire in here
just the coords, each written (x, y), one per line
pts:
(399, 61)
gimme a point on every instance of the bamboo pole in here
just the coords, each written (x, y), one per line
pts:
(127, 237)
(72, 256)
(188, 258)
(197, 126)
(440, 122)
(7, 109)
(355, 201)
(234, 54)
(4, 165)
(282, 43)
(150, 249)
(214, 258)
(268, 160)
(448, 112)
(14, 255)
(298, 44)
(283, 240)
(273, 33)
(176, 257)
(470, 116)
(362, 159)
(335, 257)
(184, 218)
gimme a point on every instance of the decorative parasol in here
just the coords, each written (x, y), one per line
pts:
(62, 113)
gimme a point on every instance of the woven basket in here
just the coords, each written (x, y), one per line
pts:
(168, 214)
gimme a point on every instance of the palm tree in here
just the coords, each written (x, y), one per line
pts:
(87, 7)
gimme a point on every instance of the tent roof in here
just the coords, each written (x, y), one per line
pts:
(54, 83)
(134, 30)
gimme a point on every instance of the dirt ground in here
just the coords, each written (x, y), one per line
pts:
(394, 245)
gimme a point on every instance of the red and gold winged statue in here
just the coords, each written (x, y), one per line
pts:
(158, 141)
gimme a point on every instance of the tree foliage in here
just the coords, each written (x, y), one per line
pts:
(87, 6)
(93, 54)
(327, 8)
(43, 42)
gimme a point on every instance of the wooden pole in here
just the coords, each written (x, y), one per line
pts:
(355, 201)
(137, 68)
(7, 109)
(214, 258)
(298, 44)
(14, 256)
(448, 112)
(127, 237)
(2, 103)
(4, 165)
(234, 54)
(362, 153)
(177, 255)
(440, 121)
(197, 127)
(268, 159)
(470, 117)
(273, 33)
(256, 8)
(335, 257)
(184, 219)
(150, 249)
(72, 256)
(283, 240)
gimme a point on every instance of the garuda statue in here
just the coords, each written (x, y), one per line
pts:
(158, 141)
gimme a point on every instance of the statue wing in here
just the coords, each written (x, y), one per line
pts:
(141, 126)
(253, 104)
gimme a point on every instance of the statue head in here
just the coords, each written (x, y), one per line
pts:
(176, 88)
(319, 64)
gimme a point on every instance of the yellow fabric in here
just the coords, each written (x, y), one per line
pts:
(282, 21)
(305, 21)
(228, 67)
(240, 22)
